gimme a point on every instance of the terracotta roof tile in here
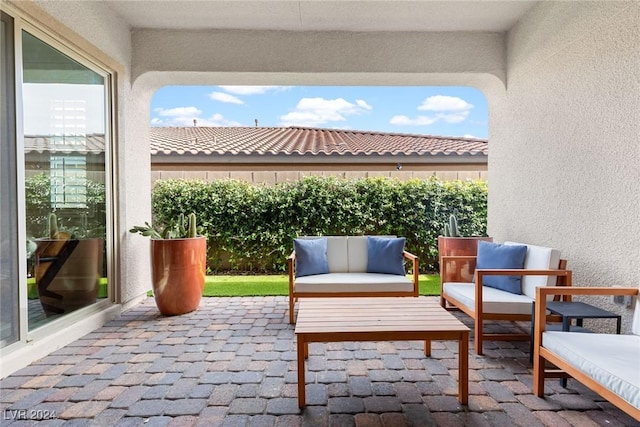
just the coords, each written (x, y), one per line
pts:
(91, 143)
(294, 141)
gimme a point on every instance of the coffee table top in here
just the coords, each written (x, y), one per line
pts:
(379, 314)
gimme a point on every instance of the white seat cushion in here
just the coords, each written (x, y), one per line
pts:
(494, 300)
(611, 360)
(538, 258)
(353, 282)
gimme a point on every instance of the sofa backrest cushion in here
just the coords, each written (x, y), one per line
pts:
(311, 256)
(357, 254)
(337, 254)
(498, 256)
(384, 255)
(538, 258)
(346, 254)
(635, 322)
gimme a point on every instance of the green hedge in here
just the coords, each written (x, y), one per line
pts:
(251, 228)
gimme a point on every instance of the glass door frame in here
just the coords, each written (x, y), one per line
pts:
(21, 24)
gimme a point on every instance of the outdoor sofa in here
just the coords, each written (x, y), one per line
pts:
(609, 364)
(350, 266)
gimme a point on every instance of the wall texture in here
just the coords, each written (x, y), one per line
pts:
(564, 139)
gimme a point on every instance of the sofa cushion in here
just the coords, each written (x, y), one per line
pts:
(495, 300)
(357, 254)
(611, 360)
(496, 255)
(384, 255)
(353, 282)
(635, 321)
(311, 256)
(337, 254)
(538, 258)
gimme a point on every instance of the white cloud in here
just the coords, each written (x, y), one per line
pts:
(217, 120)
(318, 111)
(444, 103)
(225, 97)
(453, 117)
(449, 109)
(418, 121)
(253, 90)
(178, 112)
(363, 104)
(184, 116)
(469, 136)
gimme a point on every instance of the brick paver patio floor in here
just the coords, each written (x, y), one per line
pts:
(233, 363)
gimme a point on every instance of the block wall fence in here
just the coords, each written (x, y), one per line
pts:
(273, 177)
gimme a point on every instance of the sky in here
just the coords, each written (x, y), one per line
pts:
(426, 110)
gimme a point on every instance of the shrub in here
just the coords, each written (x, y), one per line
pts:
(251, 228)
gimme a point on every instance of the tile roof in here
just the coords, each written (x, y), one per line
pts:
(85, 144)
(298, 141)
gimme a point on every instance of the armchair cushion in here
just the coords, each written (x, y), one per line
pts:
(498, 256)
(384, 255)
(538, 258)
(311, 256)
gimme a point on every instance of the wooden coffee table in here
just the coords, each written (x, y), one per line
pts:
(379, 319)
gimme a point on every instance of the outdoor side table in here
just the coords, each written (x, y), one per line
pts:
(569, 310)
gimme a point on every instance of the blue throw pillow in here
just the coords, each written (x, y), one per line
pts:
(495, 256)
(384, 255)
(311, 256)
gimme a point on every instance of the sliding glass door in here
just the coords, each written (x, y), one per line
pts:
(65, 146)
(9, 291)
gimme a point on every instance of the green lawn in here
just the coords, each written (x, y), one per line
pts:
(228, 286)
(245, 285)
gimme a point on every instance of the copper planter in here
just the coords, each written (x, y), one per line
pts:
(178, 270)
(458, 270)
(67, 273)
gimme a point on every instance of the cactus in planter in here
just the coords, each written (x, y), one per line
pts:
(193, 231)
(451, 229)
(178, 264)
(54, 232)
(180, 229)
(53, 225)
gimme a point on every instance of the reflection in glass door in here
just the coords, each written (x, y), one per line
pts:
(9, 294)
(64, 148)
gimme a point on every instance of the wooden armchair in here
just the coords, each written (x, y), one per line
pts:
(605, 363)
(542, 267)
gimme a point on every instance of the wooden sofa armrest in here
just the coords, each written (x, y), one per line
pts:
(414, 266)
(291, 269)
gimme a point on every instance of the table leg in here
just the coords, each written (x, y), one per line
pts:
(427, 347)
(463, 368)
(566, 325)
(302, 346)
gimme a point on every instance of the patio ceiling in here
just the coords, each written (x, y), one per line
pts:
(310, 15)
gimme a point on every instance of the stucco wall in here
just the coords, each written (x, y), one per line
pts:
(564, 140)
